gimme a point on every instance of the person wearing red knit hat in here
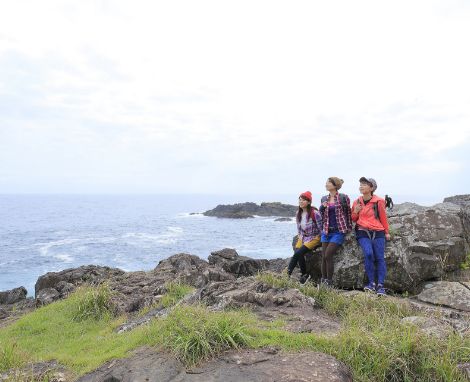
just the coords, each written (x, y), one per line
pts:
(309, 226)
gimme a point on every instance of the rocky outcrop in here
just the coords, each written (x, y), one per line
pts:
(13, 295)
(13, 303)
(268, 364)
(249, 210)
(427, 243)
(65, 281)
(454, 295)
(231, 262)
(269, 303)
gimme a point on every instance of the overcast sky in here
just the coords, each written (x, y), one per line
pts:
(234, 97)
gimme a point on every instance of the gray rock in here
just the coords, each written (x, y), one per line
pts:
(445, 293)
(49, 371)
(247, 365)
(230, 261)
(191, 270)
(460, 200)
(90, 274)
(13, 295)
(3, 313)
(269, 303)
(465, 369)
(430, 326)
(47, 296)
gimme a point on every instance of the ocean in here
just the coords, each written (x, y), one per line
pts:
(44, 233)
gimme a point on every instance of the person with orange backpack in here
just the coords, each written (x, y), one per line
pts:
(372, 230)
(309, 225)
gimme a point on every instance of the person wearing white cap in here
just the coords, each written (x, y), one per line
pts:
(368, 212)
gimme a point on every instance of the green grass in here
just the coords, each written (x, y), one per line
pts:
(372, 341)
(78, 332)
(91, 303)
(175, 291)
(194, 334)
(466, 263)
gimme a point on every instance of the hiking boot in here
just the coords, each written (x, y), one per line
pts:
(304, 278)
(370, 287)
(381, 290)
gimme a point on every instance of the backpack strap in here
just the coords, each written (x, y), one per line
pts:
(344, 203)
(375, 206)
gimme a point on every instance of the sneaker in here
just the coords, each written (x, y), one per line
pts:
(304, 278)
(381, 290)
(326, 283)
(370, 287)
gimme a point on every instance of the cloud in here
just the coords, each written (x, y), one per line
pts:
(157, 96)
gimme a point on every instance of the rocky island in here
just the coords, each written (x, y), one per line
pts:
(250, 210)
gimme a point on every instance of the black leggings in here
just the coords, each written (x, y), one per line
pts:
(327, 265)
(298, 257)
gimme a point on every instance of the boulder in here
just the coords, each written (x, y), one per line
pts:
(454, 295)
(47, 296)
(191, 270)
(13, 295)
(61, 281)
(231, 262)
(430, 326)
(249, 210)
(266, 364)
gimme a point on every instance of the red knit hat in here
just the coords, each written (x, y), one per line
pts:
(306, 195)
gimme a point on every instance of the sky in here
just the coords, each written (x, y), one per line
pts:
(235, 97)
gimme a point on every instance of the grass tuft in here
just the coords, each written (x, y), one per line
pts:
(194, 334)
(89, 302)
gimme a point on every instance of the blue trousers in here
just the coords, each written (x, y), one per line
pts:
(374, 261)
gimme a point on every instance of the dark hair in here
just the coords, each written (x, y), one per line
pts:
(309, 210)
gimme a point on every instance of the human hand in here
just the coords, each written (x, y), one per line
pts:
(388, 237)
(357, 208)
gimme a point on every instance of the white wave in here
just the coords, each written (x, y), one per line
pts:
(64, 257)
(44, 248)
(169, 237)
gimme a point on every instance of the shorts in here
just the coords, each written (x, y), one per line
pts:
(310, 244)
(333, 237)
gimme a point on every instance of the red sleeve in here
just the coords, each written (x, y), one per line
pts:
(383, 215)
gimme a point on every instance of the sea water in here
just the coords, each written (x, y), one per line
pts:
(44, 233)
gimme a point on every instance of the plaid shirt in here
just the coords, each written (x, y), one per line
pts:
(343, 218)
(312, 229)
